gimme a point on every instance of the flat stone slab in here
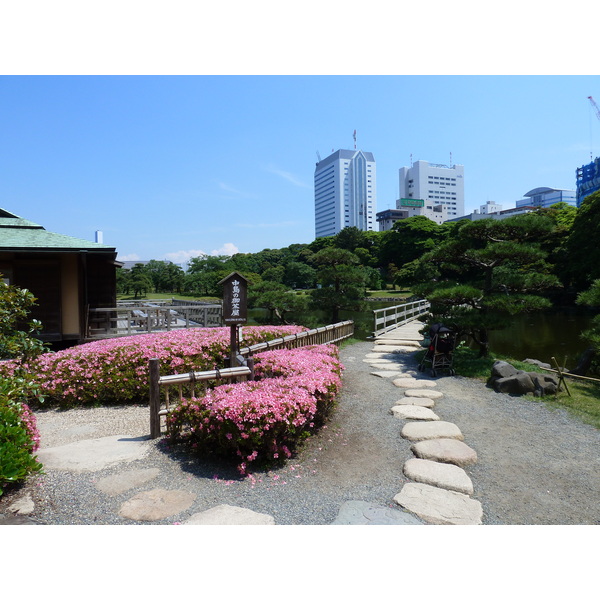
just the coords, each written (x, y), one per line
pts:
(156, 504)
(411, 382)
(23, 506)
(442, 475)
(423, 393)
(384, 374)
(445, 450)
(358, 512)
(393, 349)
(412, 342)
(414, 412)
(438, 506)
(388, 366)
(93, 455)
(415, 432)
(412, 401)
(113, 485)
(225, 514)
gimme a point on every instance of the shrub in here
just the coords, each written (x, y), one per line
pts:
(115, 371)
(19, 436)
(263, 419)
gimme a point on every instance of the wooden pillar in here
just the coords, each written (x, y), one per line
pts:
(154, 372)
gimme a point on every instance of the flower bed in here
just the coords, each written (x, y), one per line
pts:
(266, 418)
(115, 371)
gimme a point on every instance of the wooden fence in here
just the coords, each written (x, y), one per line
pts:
(330, 334)
(147, 317)
(391, 317)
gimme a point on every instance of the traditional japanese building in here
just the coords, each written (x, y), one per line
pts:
(67, 275)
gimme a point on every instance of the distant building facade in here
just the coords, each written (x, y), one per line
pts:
(409, 207)
(440, 184)
(588, 180)
(544, 197)
(491, 210)
(345, 192)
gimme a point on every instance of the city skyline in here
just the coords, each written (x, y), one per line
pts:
(168, 167)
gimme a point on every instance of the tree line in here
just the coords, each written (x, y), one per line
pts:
(475, 273)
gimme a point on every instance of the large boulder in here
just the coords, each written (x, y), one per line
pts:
(543, 384)
(537, 363)
(517, 384)
(501, 369)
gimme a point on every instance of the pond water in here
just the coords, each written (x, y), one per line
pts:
(538, 335)
(544, 335)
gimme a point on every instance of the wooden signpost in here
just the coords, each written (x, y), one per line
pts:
(235, 313)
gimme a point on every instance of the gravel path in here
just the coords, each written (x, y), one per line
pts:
(536, 465)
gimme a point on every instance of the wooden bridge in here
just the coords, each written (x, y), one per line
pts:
(130, 318)
(387, 321)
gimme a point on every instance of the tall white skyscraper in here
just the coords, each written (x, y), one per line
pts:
(439, 183)
(345, 192)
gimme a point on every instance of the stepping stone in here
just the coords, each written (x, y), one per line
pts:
(229, 515)
(423, 393)
(156, 504)
(358, 512)
(388, 366)
(449, 477)
(415, 432)
(414, 412)
(113, 485)
(438, 506)
(411, 382)
(93, 455)
(385, 374)
(445, 450)
(394, 349)
(410, 401)
(24, 506)
(400, 342)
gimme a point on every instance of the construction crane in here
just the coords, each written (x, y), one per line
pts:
(596, 109)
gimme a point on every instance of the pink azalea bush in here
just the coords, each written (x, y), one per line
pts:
(115, 371)
(263, 419)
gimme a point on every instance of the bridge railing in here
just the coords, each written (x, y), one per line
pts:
(391, 317)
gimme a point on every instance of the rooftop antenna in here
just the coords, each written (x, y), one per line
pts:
(355, 139)
(450, 159)
(411, 161)
(318, 156)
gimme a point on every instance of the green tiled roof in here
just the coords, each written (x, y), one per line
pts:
(17, 233)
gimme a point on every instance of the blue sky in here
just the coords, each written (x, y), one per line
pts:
(171, 166)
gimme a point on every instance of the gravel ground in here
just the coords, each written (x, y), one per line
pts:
(536, 465)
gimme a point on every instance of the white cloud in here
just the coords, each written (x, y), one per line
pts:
(266, 225)
(127, 257)
(228, 249)
(183, 256)
(231, 190)
(287, 175)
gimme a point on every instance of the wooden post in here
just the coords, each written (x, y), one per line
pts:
(154, 372)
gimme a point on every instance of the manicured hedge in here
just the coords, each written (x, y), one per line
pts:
(263, 419)
(19, 436)
(115, 371)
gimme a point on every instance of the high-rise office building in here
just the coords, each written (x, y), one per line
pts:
(439, 183)
(345, 192)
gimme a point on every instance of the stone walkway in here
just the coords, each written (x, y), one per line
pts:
(439, 491)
